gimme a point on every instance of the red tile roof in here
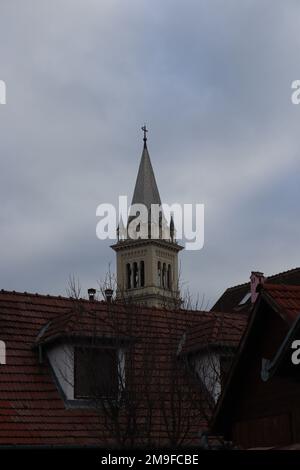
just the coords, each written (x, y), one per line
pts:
(286, 297)
(32, 411)
(215, 329)
(84, 319)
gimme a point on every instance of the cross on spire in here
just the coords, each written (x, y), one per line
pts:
(145, 130)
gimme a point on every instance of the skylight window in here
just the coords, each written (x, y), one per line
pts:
(245, 298)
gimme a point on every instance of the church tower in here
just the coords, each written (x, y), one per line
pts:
(147, 268)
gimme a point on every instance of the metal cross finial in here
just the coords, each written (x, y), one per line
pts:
(145, 130)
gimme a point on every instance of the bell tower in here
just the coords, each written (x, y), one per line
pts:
(147, 268)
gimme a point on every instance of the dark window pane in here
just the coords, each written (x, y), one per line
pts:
(135, 275)
(96, 372)
(128, 275)
(159, 273)
(142, 271)
(164, 271)
(169, 279)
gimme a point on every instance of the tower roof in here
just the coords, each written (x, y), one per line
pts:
(146, 191)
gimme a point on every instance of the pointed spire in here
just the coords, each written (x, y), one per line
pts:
(172, 229)
(146, 191)
(121, 231)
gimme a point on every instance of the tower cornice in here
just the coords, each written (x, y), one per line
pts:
(130, 243)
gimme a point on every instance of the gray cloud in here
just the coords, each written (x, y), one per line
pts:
(211, 79)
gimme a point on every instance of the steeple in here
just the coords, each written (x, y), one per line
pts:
(147, 268)
(146, 191)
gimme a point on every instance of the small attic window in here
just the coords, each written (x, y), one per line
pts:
(245, 298)
(95, 373)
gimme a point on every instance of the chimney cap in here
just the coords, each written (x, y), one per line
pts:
(256, 273)
(108, 294)
(91, 293)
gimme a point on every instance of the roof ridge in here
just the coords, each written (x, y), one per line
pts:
(271, 286)
(237, 286)
(284, 273)
(46, 296)
(33, 295)
(272, 276)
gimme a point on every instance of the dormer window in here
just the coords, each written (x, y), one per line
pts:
(87, 364)
(87, 372)
(95, 372)
(212, 367)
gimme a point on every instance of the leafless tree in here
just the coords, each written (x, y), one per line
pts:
(158, 395)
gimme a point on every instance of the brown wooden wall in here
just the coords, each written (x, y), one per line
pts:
(264, 414)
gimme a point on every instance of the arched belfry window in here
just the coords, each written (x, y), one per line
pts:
(159, 273)
(135, 275)
(128, 276)
(169, 277)
(164, 275)
(142, 273)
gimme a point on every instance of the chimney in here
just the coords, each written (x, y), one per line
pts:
(91, 293)
(257, 279)
(108, 295)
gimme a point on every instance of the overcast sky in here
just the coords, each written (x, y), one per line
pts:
(212, 80)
